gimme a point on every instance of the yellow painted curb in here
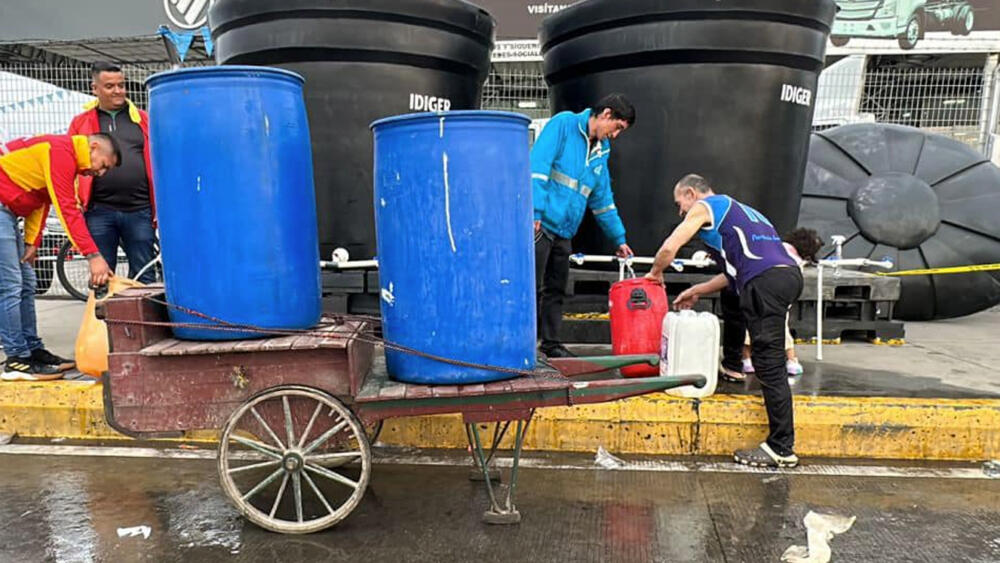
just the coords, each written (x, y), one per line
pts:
(53, 409)
(845, 427)
(63, 409)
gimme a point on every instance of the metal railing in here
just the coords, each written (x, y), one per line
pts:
(38, 98)
(957, 102)
(519, 88)
(945, 101)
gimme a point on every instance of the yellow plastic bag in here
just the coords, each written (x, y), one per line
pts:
(92, 340)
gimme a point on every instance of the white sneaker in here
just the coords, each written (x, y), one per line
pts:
(793, 367)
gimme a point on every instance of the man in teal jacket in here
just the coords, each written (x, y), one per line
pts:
(569, 173)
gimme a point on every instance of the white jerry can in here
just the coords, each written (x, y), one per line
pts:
(690, 346)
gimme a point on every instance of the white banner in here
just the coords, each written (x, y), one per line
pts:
(511, 51)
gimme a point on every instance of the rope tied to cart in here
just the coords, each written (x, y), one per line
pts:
(358, 334)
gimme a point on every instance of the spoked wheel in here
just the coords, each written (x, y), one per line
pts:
(373, 431)
(294, 460)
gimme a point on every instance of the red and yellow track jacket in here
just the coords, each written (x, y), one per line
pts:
(41, 171)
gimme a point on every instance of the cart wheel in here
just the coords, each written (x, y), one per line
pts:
(373, 431)
(294, 460)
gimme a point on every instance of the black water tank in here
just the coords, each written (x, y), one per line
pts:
(724, 89)
(922, 199)
(362, 60)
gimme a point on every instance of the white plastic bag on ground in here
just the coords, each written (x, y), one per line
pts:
(820, 529)
(606, 460)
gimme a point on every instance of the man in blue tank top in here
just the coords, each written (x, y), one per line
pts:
(758, 268)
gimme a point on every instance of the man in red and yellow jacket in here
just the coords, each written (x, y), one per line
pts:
(36, 174)
(119, 206)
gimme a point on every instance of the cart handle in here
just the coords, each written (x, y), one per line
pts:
(586, 365)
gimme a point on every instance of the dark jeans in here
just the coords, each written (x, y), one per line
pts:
(133, 230)
(18, 329)
(551, 276)
(763, 305)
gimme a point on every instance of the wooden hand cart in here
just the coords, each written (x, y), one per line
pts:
(296, 411)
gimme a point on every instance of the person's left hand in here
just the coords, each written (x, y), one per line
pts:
(656, 277)
(624, 251)
(30, 254)
(687, 298)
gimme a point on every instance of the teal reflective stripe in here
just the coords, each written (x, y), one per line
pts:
(604, 209)
(586, 190)
(542, 177)
(565, 180)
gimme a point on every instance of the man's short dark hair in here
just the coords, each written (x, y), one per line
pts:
(113, 143)
(620, 106)
(103, 66)
(696, 182)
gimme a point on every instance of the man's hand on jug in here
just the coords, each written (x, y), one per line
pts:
(100, 273)
(687, 298)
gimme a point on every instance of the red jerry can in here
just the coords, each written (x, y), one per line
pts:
(637, 307)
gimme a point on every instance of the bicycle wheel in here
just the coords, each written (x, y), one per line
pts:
(155, 265)
(74, 272)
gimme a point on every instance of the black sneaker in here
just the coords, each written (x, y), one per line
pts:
(764, 456)
(43, 356)
(26, 369)
(557, 351)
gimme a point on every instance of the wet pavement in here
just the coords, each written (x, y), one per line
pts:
(71, 509)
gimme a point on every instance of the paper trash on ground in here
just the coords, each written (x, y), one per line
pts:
(606, 460)
(820, 529)
(135, 531)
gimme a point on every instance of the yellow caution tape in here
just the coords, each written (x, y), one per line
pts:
(832, 341)
(587, 316)
(938, 271)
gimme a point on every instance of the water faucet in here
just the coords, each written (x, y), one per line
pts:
(838, 241)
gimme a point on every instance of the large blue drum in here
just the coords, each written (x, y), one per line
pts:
(232, 166)
(453, 222)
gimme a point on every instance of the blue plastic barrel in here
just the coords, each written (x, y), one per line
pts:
(232, 166)
(453, 223)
